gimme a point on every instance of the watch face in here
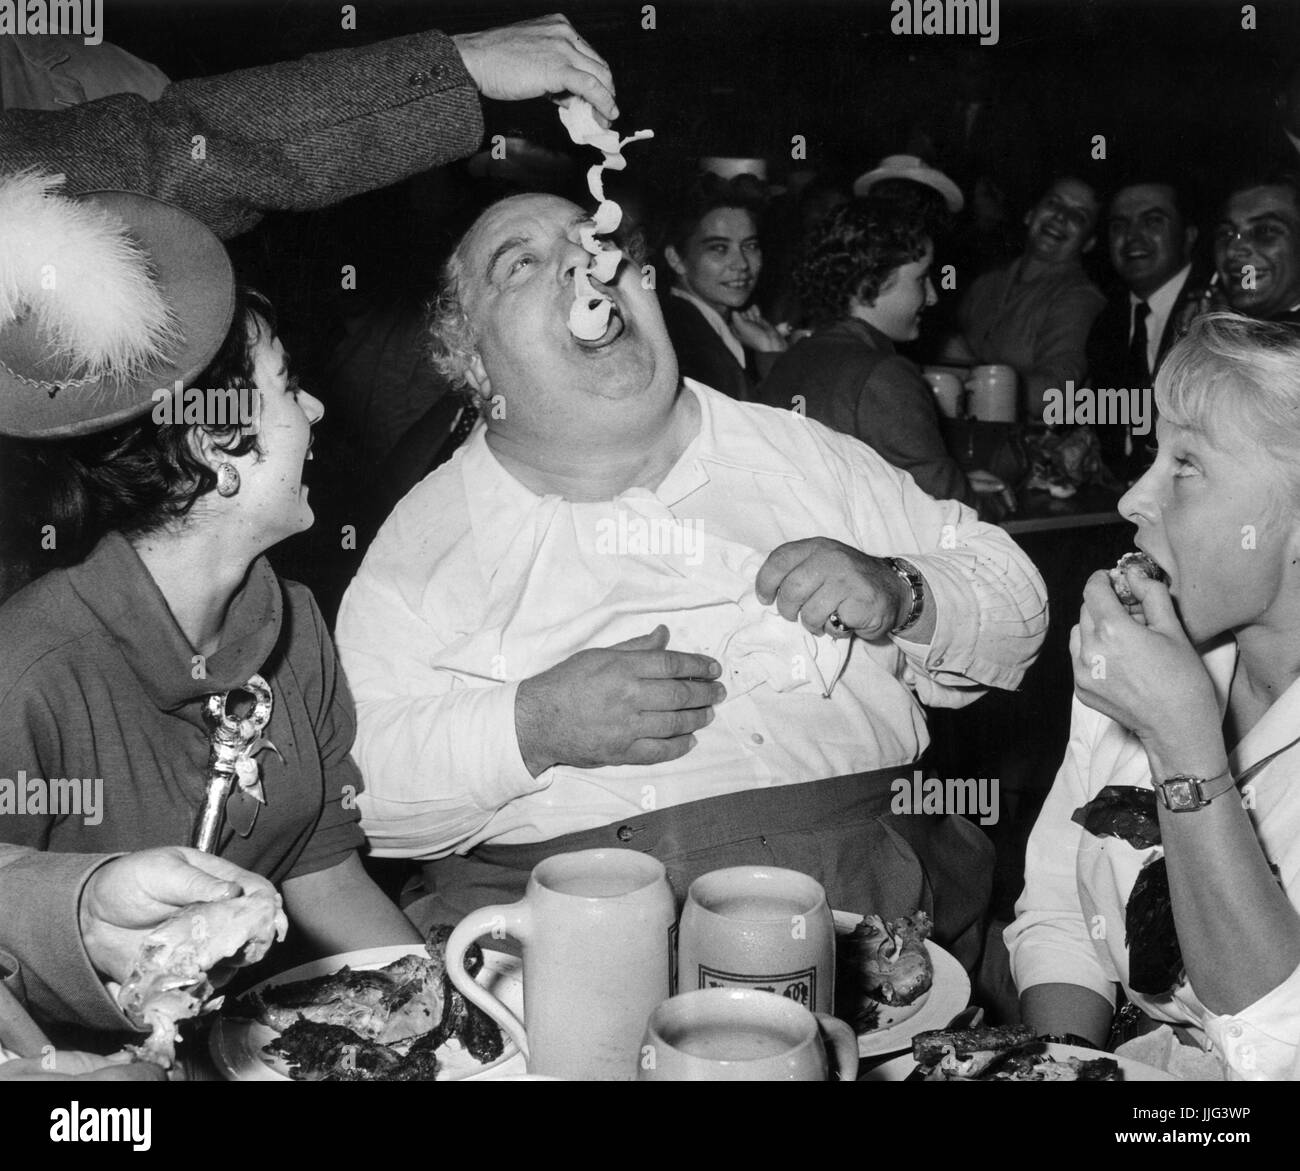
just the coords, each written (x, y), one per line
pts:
(1181, 795)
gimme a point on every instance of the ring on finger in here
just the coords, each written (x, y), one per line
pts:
(835, 624)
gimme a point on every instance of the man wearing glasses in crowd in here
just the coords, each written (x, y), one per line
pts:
(1257, 249)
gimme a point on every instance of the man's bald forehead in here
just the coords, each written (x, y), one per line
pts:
(496, 220)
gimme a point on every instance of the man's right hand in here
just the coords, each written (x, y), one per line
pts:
(535, 58)
(632, 703)
(125, 899)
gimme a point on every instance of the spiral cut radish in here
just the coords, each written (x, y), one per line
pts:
(589, 317)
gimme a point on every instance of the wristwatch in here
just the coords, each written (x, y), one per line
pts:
(916, 583)
(1184, 793)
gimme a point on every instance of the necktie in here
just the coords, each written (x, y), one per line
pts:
(1139, 371)
(464, 425)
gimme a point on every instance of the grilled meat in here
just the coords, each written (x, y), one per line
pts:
(319, 1052)
(1144, 565)
(380, 1025)
(388, 1004)
(891, 958)
(1005, 1054)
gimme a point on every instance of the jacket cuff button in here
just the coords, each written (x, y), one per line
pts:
(419, 77)
(624, 833)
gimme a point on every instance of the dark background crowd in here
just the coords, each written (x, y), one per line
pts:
(1175, 88)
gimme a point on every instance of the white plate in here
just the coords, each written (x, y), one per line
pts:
(1134, 1071)
(236, 1045)
(948, 995)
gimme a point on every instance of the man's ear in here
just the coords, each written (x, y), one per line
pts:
(477, 377)
(1091, 244)
(1190, 235)
(674, 259)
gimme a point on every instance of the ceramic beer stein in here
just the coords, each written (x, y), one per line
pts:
(759, 927)
(742, 1035)
(595, 926)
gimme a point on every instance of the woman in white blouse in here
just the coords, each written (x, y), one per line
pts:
(1167, 856)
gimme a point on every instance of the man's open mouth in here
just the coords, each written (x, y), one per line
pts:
(613, 331)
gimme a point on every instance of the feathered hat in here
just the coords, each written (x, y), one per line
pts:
(105, 299)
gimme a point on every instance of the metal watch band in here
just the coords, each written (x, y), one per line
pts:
(1185, 794)
(917, 583)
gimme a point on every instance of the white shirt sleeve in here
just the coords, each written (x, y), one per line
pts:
(1050, 941)
(439, 758)
(1262, 1041)
(991, 601)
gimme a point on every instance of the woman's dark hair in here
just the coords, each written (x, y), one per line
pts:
(136, 478)
(708, 193)
(851, 254)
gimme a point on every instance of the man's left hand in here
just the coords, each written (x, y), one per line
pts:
(536, 58)
(812, 579)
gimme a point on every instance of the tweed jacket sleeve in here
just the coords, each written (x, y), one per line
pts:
(291, 136)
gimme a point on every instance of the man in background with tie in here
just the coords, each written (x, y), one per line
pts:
(1150, 236)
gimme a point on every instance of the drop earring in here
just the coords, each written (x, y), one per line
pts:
(227, 479)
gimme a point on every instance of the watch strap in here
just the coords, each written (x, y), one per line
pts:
(916, 583)
(1184, 793)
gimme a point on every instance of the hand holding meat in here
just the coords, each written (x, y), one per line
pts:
(1148, 679)
(127, 898)
(170, 980)
(534, 58)
(633, 703)
(813, 579)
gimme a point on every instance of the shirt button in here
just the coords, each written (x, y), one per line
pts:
(1235, 1031)
(757, 738)
(624, 833)
(419, 77)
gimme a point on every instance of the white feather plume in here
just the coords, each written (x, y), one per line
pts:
(77, 268)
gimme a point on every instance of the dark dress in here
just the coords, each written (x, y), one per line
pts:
(702, 354)
(851, 379)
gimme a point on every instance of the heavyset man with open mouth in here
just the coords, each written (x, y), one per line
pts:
(522, 691)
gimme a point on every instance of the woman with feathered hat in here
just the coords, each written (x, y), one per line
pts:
(156, 657)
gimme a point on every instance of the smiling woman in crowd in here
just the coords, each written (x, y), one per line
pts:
(1166, 861)
(865, 282)
(1034, 314)
(713, 248)
(164, 598)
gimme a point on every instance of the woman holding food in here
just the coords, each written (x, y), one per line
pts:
(164, 628)
(1166, 860)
